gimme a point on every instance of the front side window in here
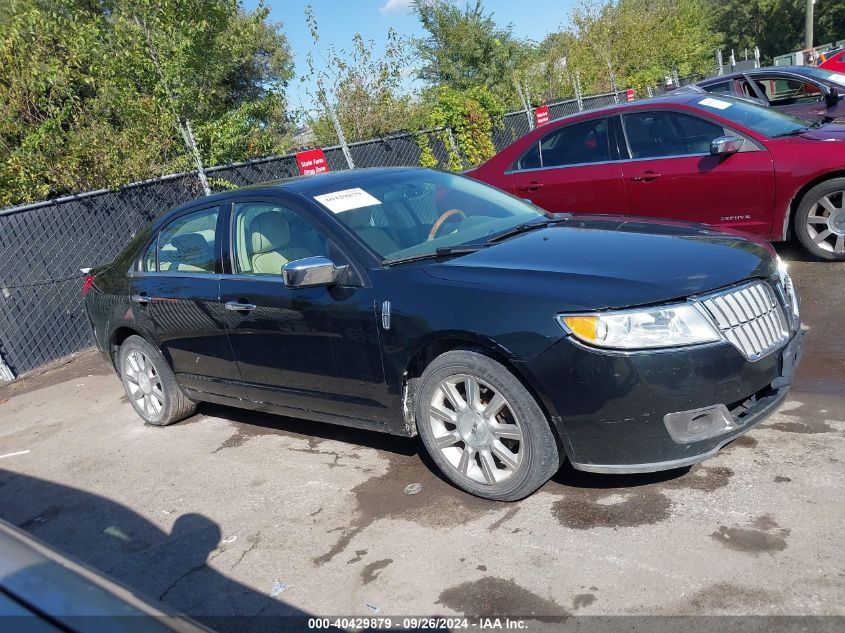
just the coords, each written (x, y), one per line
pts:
(576, 144)
(666, 133)
(267, 236)
(187, 243)
(783, 91)
(411, 213)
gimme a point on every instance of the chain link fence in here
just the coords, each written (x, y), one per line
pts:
(43, 246)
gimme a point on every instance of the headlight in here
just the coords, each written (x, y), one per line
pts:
(667, 326)
(788, 288)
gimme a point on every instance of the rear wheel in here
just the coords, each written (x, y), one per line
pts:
(820, 220)
(150, 384)
(483, 429)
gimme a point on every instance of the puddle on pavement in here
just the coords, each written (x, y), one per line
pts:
(437, 505)
(727, 596)
(497, 597)
(764, 536)
(371, 571)
(610, 501)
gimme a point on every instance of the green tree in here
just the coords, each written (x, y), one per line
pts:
(465, 48)
(364, 88)
(92, 91)
(776, 26)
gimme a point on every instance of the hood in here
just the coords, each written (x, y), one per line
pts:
(830, 132)
(597, 263)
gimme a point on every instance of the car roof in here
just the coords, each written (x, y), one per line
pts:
(766, 70)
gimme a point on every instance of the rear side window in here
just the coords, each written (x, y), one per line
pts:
(664, 133)
(187, 244)
(576, 144)
(723, 87)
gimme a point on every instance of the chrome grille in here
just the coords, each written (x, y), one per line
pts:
(750, 317)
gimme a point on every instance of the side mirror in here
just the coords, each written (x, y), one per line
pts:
(831, 98)
(311, 271)
(725, 145)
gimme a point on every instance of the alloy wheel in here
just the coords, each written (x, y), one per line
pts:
(476, 429)
(143, 383)
(826, 222)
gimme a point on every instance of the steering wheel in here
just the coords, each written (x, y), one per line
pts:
(443, 217)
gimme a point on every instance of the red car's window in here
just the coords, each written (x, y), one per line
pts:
(577, 144)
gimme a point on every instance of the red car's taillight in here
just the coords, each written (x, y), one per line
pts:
(87, 285)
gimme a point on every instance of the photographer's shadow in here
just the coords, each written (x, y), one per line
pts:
(158, 566)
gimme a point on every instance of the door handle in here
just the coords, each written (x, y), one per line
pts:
(140, 299)
(234, 306)
(646, 177)
(531, 186)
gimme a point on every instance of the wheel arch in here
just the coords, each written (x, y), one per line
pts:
(120, 334)
(432, 348)
(792, 211)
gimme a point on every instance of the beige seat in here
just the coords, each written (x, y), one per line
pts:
(378, 239)
(193, 254)
(269, 241)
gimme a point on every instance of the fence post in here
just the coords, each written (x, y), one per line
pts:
(649, 91)
(340, 136)
(720, 62)
(756, 57)
(578, 98)
(188, 136)
(525, 104)
(613, 85)
(6, 374)
(453, 145)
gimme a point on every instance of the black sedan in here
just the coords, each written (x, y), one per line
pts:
(419, 302)
(807, 92)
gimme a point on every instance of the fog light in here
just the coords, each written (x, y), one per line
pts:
(699, 424)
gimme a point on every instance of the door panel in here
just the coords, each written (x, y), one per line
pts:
(312, 349)
(175, 297)
(671, 176)
(573, 168)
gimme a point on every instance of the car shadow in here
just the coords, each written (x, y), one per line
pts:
(170, 567)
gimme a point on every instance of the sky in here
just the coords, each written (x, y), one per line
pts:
(339, 20)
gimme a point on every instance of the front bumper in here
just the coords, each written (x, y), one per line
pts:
(610, 408)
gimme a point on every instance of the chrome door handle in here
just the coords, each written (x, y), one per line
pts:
(234, 306)
(646, 177)
(142, 299)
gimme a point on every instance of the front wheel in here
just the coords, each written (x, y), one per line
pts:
(820, 220)
(483, 429)
(150, 384)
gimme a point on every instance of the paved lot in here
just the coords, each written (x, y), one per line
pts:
(232, 512)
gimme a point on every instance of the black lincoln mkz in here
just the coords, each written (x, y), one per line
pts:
(419, 302)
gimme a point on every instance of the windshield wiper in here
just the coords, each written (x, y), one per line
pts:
(443, 251)
(814, 125)
(529, 226)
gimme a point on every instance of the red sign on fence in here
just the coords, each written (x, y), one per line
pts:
(541, 114)
(312, 162)
(629, 94)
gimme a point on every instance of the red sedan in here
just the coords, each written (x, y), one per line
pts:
(694, 157)
(833, 60)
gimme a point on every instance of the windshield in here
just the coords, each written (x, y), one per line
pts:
(415, 213)
(764, 120)
(821, 73)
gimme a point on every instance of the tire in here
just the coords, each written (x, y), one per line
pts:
(449, 426)
(150, 385)
(814, 219)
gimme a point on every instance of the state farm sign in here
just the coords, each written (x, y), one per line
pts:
(312, 162)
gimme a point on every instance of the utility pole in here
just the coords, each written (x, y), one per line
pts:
(808, 27)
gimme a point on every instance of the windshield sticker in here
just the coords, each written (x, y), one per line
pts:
(715, 103)
(840, 79)
(346, 200)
